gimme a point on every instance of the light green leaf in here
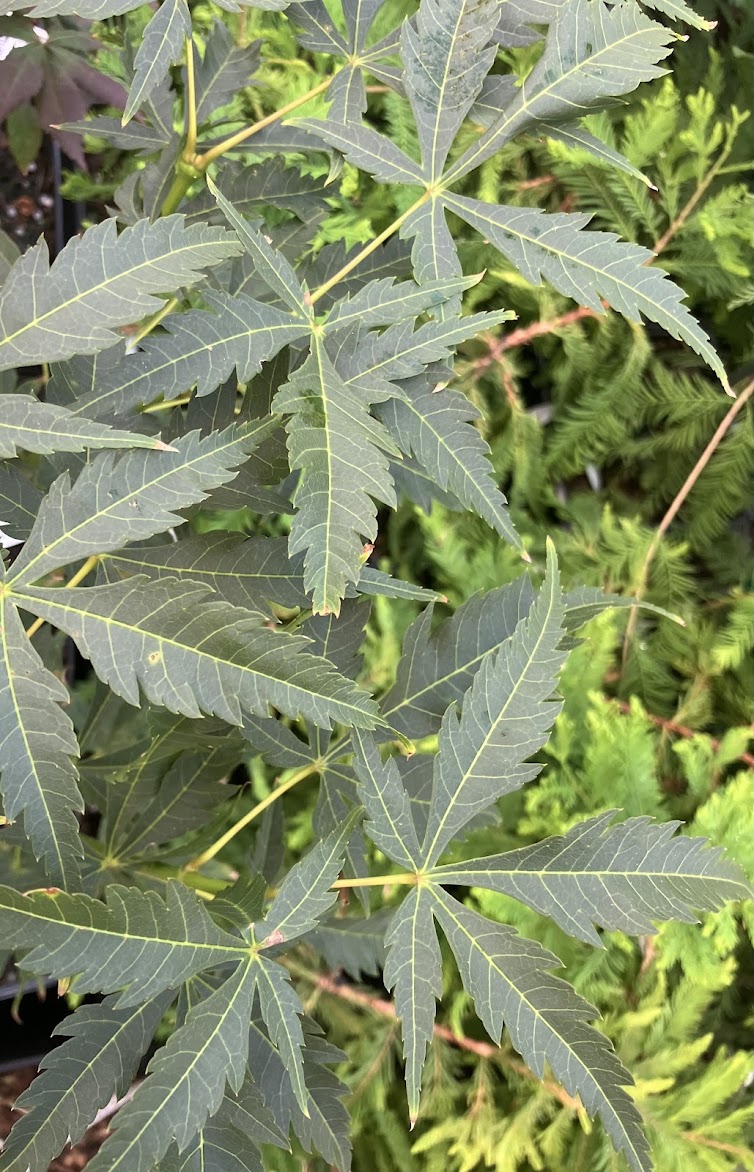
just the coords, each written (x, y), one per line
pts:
(162, 45)
(622, 877)
(96, 1063)
(588, 266)
(413, 970)
(508, 978)
(507, 715)
(341, 451)
(38, 778)
(196, 656)
(114, 502)
(39, 427)
(186, 1079)
(383, 302)
(100, 280)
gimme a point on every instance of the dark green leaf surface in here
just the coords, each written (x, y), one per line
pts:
(99, 281)
(37, 776)
(162, 45)
(97, 1061)
(196, 656)
(115, 502)
(509, 981)
(623, 877)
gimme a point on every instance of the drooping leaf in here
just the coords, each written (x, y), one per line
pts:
(135, 942)
(162, 45)
(306, 892)
(100, 280)
(225, 69)
(507, 714)
(391, 825)
(97, 1061)
(186, 1079)
(593, 52)
(354, 944)
(192, 655)
(341, 451)
(282, 1011)
(37, 776)
(115, 502)
(620, 877)
(39, 427)
(446, 58)
(588, 266)
(199, 348)
(509, 980)
(413, 970)
(436, 427)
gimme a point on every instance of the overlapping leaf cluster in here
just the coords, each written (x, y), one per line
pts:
(315, 388)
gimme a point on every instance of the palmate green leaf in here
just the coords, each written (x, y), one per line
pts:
(342, 454)
(97, 1061)
(352, 944)
(446, 56)
(37, 776)
(507, 715)
(382, 302)
(195, 656)
(162, 45)
(622, 877)
(100, 280)
(346, 93)
(186, 1079)
(367, 149)
(281, 1011)
(413, 970)
(219, 1147)
(40, 427)
(593, 52)
(136, 942)
(114, 501)
(436, 426)
(509, 981)
(587, 266)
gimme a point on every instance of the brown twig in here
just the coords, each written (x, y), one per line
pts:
(678, 501)
(680, 730)
(486, 1050)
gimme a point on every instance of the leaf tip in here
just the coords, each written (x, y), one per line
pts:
(526, 557)
(162, 447)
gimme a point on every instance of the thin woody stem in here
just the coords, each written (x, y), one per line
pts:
(678, 501)
(367, 251)
(201, 162)
(79, 576)
(249, 817)
(191, 128)
(402, 879)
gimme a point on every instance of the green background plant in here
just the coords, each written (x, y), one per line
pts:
(594, 425)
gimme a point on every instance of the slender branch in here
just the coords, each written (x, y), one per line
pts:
(385, 1008)
(367, 251)
(678, 501)
(154, 320)
(403, 879)
(203, 161)
(249, 817)
(79, 576)
(680, 730)
(699, 191)
(191, 131)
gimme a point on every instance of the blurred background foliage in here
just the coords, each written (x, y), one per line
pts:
(594, 425)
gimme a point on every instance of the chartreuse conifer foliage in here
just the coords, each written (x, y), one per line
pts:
(314, 388)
